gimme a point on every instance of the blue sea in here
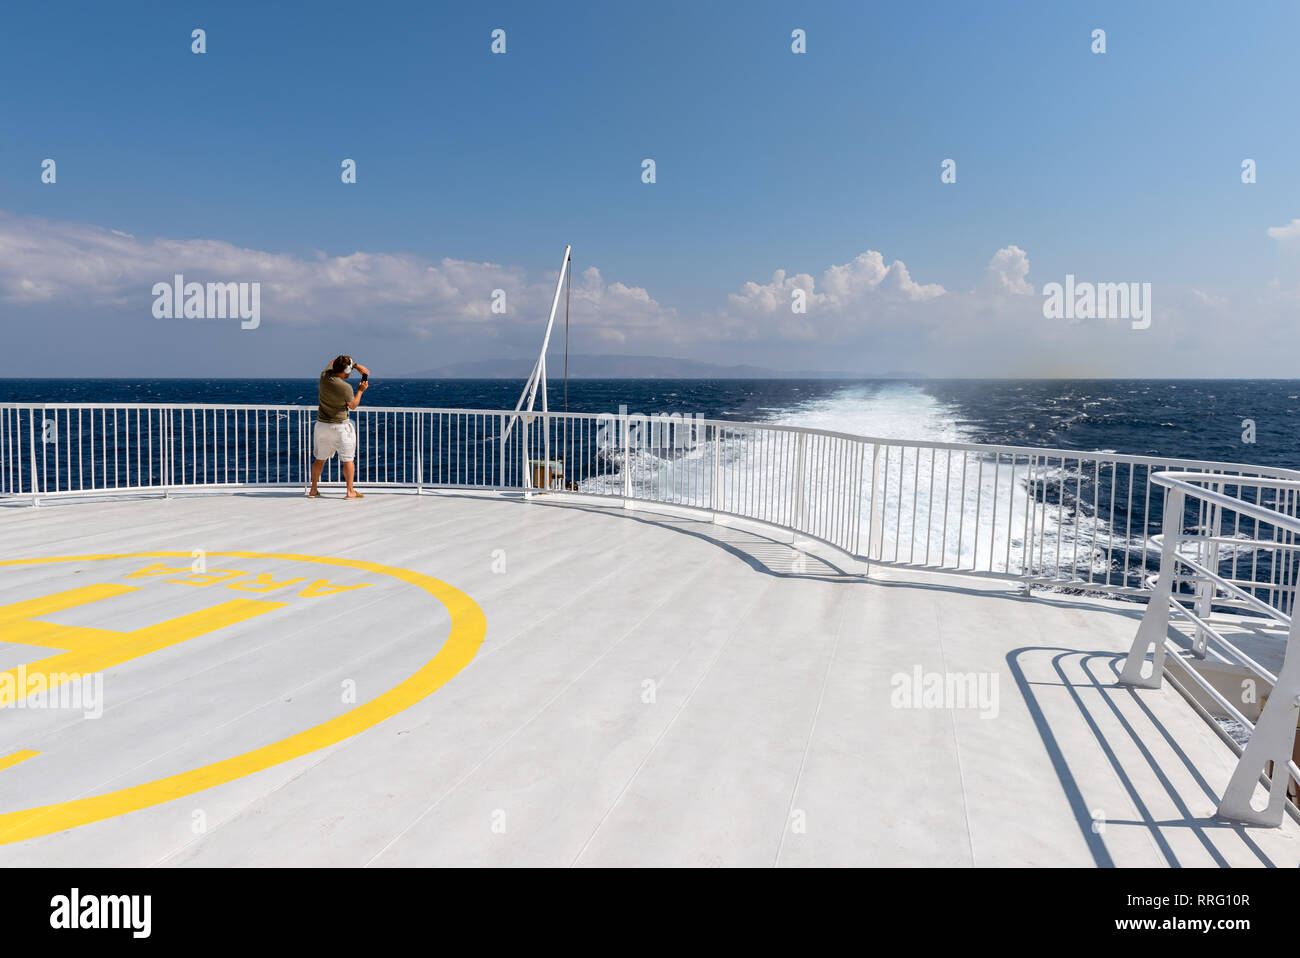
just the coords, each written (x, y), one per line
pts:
(1192, 419)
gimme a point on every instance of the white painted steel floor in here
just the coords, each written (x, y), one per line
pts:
(651, 690)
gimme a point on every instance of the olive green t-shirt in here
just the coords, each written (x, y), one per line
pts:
(335, 394)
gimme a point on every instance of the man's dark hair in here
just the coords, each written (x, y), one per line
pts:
(341, 363)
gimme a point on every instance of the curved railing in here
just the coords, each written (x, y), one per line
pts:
(1046, 517)
(1193, 584)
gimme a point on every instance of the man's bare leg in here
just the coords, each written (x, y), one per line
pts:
(348, 469)
(317, 468)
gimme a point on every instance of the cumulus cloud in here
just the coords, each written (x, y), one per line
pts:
(865, 295)
(1289, 232)
(867, 314)
(868, 276)
(848, 294)
(1007, 271)
(77, 268)
(47, 262)
(626, 315)
(859, 281)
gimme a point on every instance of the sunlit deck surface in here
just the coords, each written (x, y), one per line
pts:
(651, 689)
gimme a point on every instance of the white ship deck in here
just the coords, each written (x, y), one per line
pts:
(649, 690)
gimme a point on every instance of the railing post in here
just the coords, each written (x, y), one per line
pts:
(1273, 740)
(31, 443)
(165, 453)
(1154, 630)
(714, 474)
(1210, 558)
(419, 453)
(546, 450)
(857, 500)
(525, 475)
(627, 459)
(800, 505)
(525, 445)
(305, 450)
(875, 529)
(502, 457)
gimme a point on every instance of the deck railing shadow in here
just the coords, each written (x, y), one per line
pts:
(1104, 702)
(771, 554)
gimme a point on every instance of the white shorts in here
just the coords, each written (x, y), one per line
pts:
(335, 437)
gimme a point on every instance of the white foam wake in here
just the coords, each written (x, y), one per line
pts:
(935, 507)
(889, 411)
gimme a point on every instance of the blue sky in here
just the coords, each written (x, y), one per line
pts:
(1123, 166)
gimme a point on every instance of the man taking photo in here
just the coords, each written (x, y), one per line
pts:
(333, 433)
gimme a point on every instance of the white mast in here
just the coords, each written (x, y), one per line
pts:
(538, 377)
(538, 374)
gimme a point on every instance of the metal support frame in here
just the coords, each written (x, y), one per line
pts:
(1154, 630)
(1268, 756)
(535, 379)
(1269, 750)
(1210, 556)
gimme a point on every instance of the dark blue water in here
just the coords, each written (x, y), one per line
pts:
(720, 399)
(1192, 419)
(1189, 419)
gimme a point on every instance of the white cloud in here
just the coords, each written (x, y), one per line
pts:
(1007, 271)
(1289, 232)
(864, 297)
(864, 315)
(43, 261)
(844, 287)
(850, 294)
(46, 262)
(1209, 300)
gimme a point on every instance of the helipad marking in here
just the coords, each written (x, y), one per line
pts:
(13, 759)
(468, 627)
(90, 650)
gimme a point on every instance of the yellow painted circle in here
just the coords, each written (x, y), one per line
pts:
(468, 628)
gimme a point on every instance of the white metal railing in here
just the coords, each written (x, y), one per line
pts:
(1205, 537)
(1053, 518)
(1193, 582)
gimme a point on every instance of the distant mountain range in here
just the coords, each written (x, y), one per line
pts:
(632, 367)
